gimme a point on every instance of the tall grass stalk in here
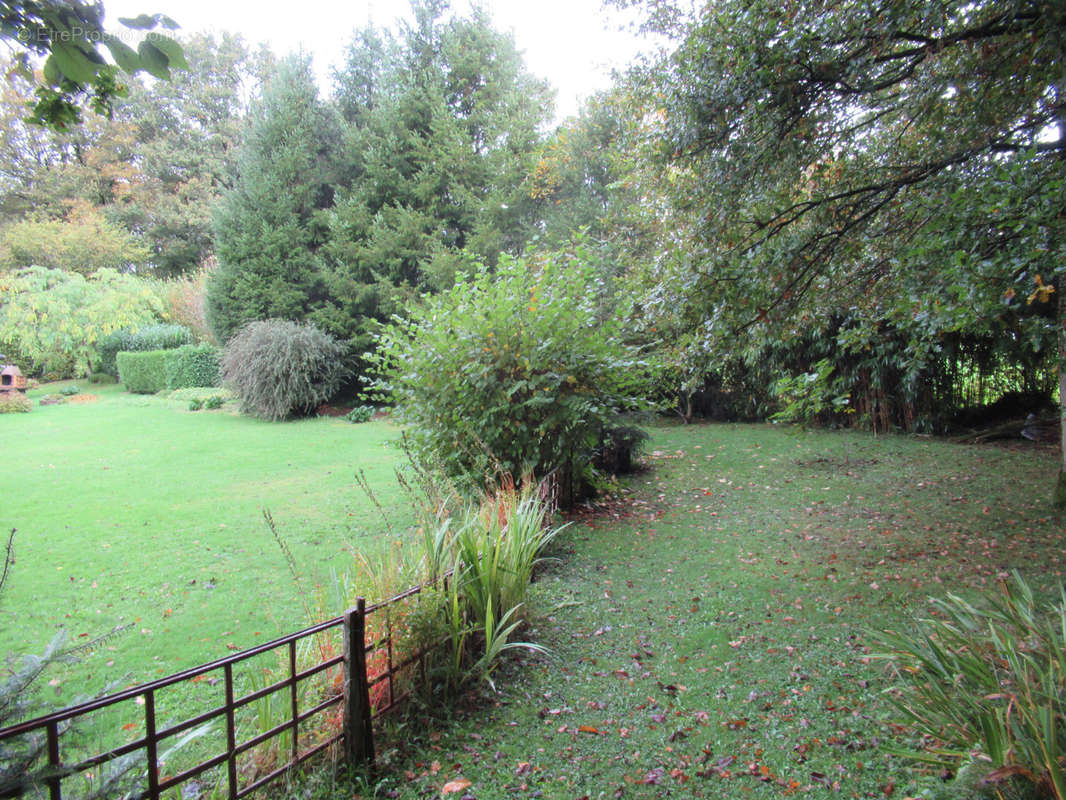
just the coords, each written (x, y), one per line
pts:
(988, 685)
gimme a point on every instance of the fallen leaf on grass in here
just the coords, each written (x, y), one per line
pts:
(655, 777)
(458, 785)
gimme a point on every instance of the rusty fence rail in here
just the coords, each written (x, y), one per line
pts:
(371, 682)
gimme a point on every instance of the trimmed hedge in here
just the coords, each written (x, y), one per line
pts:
(143, 373)
(155, 370)
(148, 338)
(193, 365)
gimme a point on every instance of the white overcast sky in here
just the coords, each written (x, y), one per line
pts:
(574, 44)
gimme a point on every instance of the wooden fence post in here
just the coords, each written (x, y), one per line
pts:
(358, 731)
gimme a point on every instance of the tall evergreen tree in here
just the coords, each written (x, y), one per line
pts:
(445, 122)
(269, 227)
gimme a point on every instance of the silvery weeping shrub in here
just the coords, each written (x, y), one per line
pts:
(282, 369)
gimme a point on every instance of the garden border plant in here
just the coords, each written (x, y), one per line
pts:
(985, 686)
(516, 370)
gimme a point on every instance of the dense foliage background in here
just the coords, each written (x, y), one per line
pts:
(871, 195)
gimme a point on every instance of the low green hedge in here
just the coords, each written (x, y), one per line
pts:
(143, 373)
(192, 365)
(147, 339)
(155, 370)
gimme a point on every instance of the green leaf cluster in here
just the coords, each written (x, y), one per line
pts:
(76, 74)
(514, 370)
(51, 320)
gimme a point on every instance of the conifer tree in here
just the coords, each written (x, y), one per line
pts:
(445, 122)
(268, 228)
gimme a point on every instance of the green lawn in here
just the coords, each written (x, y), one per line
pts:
(712, 630)
(132, 509)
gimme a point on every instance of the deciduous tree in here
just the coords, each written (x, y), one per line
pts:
(69, 37)
(898, 164)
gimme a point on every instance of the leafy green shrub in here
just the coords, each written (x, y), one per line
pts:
(514, 371)
(360, 414)
(143, 373)
(987, 687)
(52, 320)
(214, 401)
(281, 369)
(193, 365)
(109, 347)
(159, 336)
(196, 404)
(70, 390)
(14, 403)
(809, 396)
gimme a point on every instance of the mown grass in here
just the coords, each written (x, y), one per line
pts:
(132, 510)
(714, 629)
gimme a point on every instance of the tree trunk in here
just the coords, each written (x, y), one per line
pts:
(1059, 498)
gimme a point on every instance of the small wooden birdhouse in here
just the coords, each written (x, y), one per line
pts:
(12, 379)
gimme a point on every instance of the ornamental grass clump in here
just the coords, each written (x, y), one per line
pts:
(282, 369)
(986, 689)
(494, 554)
(475, 563)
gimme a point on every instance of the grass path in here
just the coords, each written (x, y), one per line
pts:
(712, 631)
(133, 510)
